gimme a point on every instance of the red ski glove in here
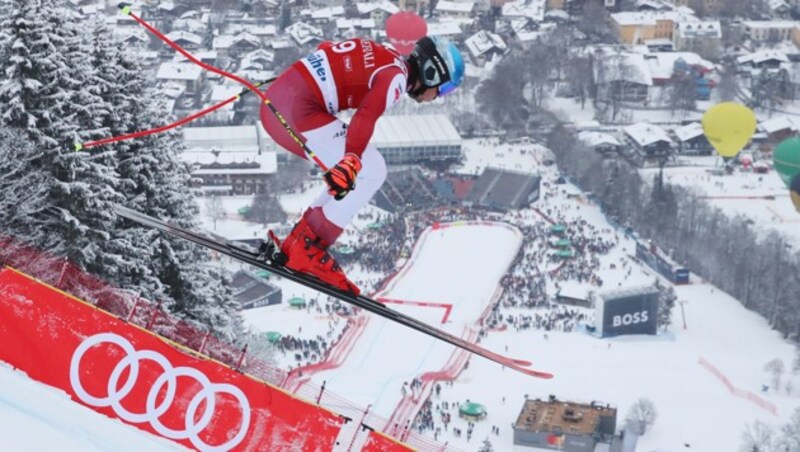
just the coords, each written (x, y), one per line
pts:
(342, 177)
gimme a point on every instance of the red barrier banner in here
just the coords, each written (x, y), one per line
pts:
(130, 374)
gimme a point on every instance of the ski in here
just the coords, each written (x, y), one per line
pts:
(264, 261)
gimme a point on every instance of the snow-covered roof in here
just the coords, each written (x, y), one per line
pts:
(224, 92)
(257, 59)
(464, 7)
(443, 29)
(776, 124)
(761, 56)
(530, 9)
(769, 24)
(208, 55)
(688, 131)
(631, 67)
(634, 18)
(323, 13)
(303, 33)
(645, 134)
(416, 130)
(695, 28)
(185, 36)
(369, 7)
(597, 138)
(178, 71)
(484, 41)
(346, 24)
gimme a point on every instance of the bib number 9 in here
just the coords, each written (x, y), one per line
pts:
(344, 47)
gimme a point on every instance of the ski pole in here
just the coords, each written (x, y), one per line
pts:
(142, 133)
(126, 9)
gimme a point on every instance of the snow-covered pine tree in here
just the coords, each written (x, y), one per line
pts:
(154, 180)
(45, 94)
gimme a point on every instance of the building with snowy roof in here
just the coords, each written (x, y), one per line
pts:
(417, 139)
(700, 36)
(532, 10)
(602, 143)
(304, 34)
(230, 160)
(378, 11)
(185, 39)
(769, 30)
(561, 425)
(188, 75)
(691, 140)
(646, 143)
(484, 44)
(623, 74)
(461, 9)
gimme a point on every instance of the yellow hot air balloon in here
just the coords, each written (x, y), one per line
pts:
(728, 127)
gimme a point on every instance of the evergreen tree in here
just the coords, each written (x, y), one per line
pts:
(666, 301)
(46, 95)
(154, 180)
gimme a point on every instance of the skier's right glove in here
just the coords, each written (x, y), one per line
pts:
(342, 177)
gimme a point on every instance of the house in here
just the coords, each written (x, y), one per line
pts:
(778, 129)
(769, 30)
(637, 27)
(188, 75)
(622, 76)
(691, 140)
(188, 41)
(462, 10)
(352, 28)
(377, 11)
(530, 10)
(322, 16)
(703, 37)
(258, 59)
(304, 34)
(646, 142)
(762, 59)
(602, 143)
(484, 44)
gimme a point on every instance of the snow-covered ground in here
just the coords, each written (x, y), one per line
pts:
(695, 408)
(36, 417)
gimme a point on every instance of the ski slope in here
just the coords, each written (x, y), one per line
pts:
(36, 417)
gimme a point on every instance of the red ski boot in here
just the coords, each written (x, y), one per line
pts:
(307, 253)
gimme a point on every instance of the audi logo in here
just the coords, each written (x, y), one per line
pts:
(153, 410)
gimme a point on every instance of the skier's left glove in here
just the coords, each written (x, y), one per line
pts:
(342, 177)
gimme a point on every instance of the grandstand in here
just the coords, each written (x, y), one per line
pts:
(415, 139)
(407, 187)
(502, 189)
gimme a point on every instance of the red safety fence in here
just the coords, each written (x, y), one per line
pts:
(132, 375)
(139, 311)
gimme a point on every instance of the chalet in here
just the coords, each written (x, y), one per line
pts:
(700, 36)
(304, 34)
(352, 28)
(778, 129)
(460, 10)
(189, 75)
(769, 30)
(622, 74)
(762, 59)
(378, 11)
(646, 143)
(533, 11)
(188, 41)
(485, 44)
(602, 143)
(691, 140)
(322, 16)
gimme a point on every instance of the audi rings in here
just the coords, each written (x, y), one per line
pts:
(153, 409)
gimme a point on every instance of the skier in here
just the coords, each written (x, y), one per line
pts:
(371, 78)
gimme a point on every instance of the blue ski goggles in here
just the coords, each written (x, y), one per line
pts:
(446, 88)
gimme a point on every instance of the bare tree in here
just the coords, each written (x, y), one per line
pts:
(790, 434)
(775, 367)
(214, 209)
(641, 415)
(757, 437)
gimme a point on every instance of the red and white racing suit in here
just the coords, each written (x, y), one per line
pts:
(358, 74)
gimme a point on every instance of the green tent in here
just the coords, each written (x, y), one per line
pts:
(472, 410)
(263, 274)
(374, 226)
(563, 243)
(297, 302)
(558, 228)
(244, 211)
(273, 336)
(344, 249)
(564, 253)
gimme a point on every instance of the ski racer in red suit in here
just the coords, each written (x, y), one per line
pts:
(370, 78)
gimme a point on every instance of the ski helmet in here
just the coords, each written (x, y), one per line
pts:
(439, 64)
